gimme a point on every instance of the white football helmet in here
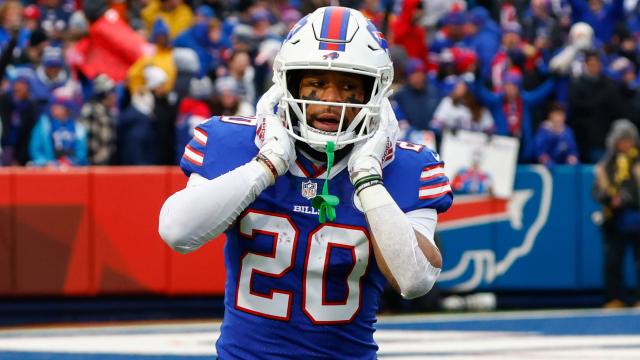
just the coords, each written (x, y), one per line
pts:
(339, 39)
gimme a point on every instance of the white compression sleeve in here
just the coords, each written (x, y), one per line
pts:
(397, 243)
(424, 221)
(206, 208)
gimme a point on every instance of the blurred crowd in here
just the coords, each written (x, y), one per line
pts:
(123, 82)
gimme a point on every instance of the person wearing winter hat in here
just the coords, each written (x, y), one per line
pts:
(617, 188)
(595, 103)
(78, 26)
(228, 99)
(98, 117)
(136, 130)
(417, 98)
(188, 67)
(208, 39)
(162, 58)
(58, 139)
(164, 113)
(175, 13)
(50, 75)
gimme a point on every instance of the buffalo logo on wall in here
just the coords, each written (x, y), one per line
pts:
(489, 229)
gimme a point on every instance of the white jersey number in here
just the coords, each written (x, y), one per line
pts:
(321, 241)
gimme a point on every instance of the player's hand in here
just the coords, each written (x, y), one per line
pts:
(274, 141)
(367, 157)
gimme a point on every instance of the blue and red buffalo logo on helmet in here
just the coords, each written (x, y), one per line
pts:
(486, 239)
(330, 56)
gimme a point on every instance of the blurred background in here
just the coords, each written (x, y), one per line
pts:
(533, 105)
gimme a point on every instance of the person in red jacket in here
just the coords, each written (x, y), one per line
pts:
(408, 33)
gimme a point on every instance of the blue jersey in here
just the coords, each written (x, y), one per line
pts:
(295, 288)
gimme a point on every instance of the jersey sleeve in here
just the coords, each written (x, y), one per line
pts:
(416, 179)
(219, 145)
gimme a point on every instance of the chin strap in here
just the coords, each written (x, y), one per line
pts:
(326, 203)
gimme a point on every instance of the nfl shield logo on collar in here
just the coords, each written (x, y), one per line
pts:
(309, 189)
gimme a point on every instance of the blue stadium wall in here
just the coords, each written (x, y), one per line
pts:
(542, 238)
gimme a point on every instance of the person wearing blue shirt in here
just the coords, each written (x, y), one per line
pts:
(418, 98)
(555, 143)
(57, 138)
(512, 109)
(601, 15)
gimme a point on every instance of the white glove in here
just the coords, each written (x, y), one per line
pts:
(275, 143)
(367, 157)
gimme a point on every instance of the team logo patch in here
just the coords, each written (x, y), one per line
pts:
(309, 189)
(388, 151)
(330, 56)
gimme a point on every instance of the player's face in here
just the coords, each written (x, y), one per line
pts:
(331, 86)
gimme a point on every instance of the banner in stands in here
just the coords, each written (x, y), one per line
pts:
(478, 164)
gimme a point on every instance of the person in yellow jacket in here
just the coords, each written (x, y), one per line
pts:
(162, 58)
(175, 13)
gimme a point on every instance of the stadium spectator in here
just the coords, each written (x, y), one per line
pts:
(373, 11)
(408, 33)
(10, 20)
(623, 72)
(555, 143)
(187, 68)
(484, 35)
(176, 14)
(228, 100)
(513, 53)
(78, 26)
(50, 75)
(452, 34)
(162, 58)
(594, 101)
(58, 138)
(539, 18)
(98, 117)
(262, 45)
(31, 18)
(138, 133)
(617, 188)
(54, 18)
(18, 115)
(602, 16)
(207, 39)
(461, 111)
(512, 109)
(418, 97)
(289, 18)
(243, 73)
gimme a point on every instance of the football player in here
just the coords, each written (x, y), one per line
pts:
(319, 204)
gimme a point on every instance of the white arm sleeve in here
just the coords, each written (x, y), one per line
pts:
(397, 242)
(424, 221)
(206, 208)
